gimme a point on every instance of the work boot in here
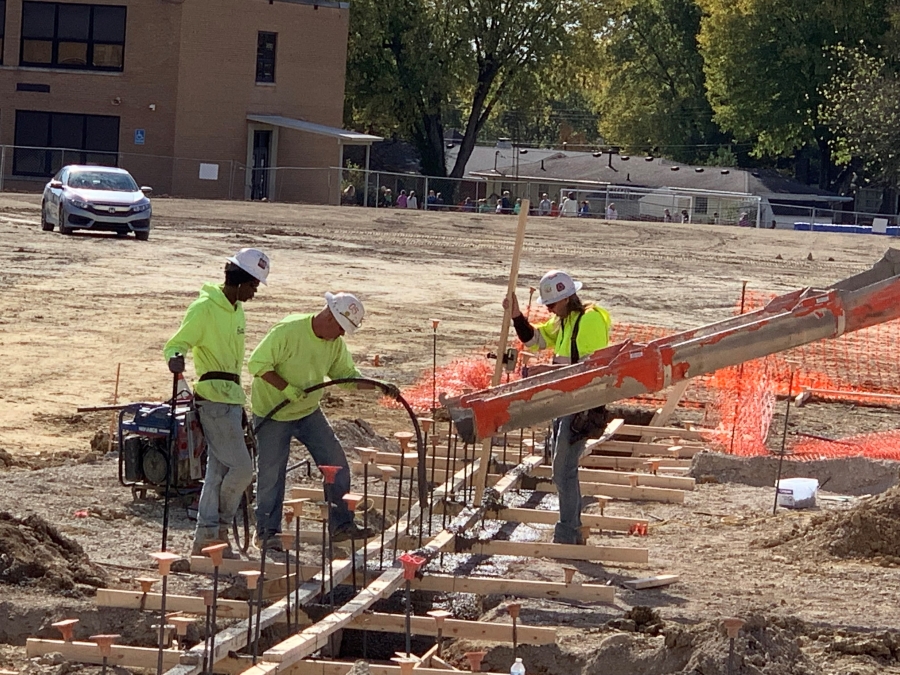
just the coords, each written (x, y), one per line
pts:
(272, 543)
(352, 531)
(228, 553)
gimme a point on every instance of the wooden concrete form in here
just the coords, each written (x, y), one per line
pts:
(456, 628)
(521, 588)
(631, 463)
(310, 667)
(313, 638)
(225, 609)
(624, 478)
(613, 523)
(87, 652)
(541, 549)
(638, 449)
(639, 493)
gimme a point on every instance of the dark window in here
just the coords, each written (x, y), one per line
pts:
(2, 26)
(45, 141)
(701, 204)
(265, 57)
(83, 37)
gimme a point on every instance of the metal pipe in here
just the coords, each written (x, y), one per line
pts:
(787, 414)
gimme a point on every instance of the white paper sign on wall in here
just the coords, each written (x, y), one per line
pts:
(209, 171)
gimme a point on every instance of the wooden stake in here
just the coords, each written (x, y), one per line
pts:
(501, 345)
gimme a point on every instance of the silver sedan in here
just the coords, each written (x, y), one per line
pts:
(96, 198)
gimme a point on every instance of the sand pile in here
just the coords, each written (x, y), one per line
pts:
(868, 530)
(34, 553)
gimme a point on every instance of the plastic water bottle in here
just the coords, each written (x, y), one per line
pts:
(518, 668)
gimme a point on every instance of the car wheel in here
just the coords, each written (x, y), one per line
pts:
(63, 229)
(143, 235)
(46, 225)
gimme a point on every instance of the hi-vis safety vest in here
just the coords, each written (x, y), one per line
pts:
(593, 334)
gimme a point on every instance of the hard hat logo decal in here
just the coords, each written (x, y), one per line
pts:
(263, 264)
(560, 286)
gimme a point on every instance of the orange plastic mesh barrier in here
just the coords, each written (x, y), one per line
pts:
(881, 445)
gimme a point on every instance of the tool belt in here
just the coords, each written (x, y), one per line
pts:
(219, 375)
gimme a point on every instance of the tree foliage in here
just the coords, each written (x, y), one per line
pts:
(651, 89)
(862, 108)
(412, 61)
(767, 60)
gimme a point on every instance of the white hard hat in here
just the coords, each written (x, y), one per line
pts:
(253, 261)
(347, 309)
(556, 286)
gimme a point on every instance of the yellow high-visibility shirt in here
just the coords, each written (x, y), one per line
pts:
(302, 359)
(213, 331)
(593, 334)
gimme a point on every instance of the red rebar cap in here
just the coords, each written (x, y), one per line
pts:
(329, 472)
(411, 564)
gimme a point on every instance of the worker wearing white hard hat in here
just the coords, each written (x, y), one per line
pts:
(213, 331)
(574, 331)
(300, 351)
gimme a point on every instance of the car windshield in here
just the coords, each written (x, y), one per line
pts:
(103, 180)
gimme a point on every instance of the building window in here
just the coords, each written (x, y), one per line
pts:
(265, 57)
(2, 26)
(701, 205)
(46, 141)
(82, 37)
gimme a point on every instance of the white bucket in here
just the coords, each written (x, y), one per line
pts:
(797, 493)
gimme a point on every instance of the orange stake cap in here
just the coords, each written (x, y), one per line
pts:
(329, 472)
(403, 438)
(411, 564)
(105, 643)
(181, 624)
(367, 455)
(439, 615)
(475, 660)
(287, 540)
(435, 323)
(352, 500)
(164, 560)
(66, 627)
(207, 595)
(570, 574)
(251, 576)
(732, 626)
(425, 423)
(215, 552)
(146, 583)
(513, 608)
(406, 665)
(386, 472)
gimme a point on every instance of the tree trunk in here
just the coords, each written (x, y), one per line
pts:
(429, 140)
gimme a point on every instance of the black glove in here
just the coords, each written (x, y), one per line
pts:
(176, 364)
(391, 390)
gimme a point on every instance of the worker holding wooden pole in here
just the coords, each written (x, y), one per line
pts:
(575, 330)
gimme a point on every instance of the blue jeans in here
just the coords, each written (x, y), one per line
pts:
(274, 444)
(566, 458)
(229, 467)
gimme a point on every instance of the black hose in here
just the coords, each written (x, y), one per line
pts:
(386, 388)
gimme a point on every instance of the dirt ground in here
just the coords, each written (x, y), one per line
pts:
(76, 308)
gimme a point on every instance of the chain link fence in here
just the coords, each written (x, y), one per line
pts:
(29, 168)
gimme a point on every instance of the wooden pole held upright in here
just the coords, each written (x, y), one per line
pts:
(501, 346)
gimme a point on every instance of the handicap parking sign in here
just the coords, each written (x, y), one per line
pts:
(139, 135)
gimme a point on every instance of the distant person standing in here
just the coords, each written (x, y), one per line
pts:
(518, 206)
(569, 208)
(402, 199)
(611, 213)
(685, 216)
(744, 220)
(667, 216)
(412, 201)
(505, 203)
(544, 206)
(554, 209)
(585, 211)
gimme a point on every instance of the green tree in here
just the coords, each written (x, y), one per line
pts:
(767, 60)
(862, 109)
(651, 89)
(411, 62)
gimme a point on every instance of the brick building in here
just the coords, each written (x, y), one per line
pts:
(196, 98)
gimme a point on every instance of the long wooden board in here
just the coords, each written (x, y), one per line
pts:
(624, 478)
(631, 463)
(639, 493)
(521, 588)
(540, 549)
(310, 667)
(456, 628)
(225, 609)
(87, 652)
(614, 523)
